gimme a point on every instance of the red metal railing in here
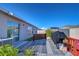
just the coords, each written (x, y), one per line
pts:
(73, 46)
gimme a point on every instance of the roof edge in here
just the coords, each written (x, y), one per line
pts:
(12, 15)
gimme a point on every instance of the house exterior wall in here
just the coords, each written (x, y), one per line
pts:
(41, 31)
(24, 32)
(65, 31)
(34, 30)
(3, 26)
(54, 30)
(74, 33)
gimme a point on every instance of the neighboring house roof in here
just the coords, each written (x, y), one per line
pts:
(12, 15)
(54, 27)
(71, 26)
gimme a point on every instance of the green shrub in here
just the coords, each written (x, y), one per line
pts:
(29, 52)
(48, 33)
(8, 50)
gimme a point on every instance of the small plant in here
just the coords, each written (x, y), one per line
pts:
(48, 33)
(29, 52)
(8, 50)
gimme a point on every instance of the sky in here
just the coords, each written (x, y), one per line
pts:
(45, 15)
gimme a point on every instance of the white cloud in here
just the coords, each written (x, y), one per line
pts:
(43, 28)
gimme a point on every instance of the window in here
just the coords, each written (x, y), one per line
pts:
(13, 30)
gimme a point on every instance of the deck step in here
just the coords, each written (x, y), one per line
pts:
(19, 44)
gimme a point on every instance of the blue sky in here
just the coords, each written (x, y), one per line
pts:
(46, 15)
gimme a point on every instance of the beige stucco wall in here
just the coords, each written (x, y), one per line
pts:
(24, 32)
(41, 31)
(3, 26)
(34, 30)
(74, 33)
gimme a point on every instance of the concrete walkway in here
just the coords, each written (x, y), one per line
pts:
(52, 50)
(49, 49)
